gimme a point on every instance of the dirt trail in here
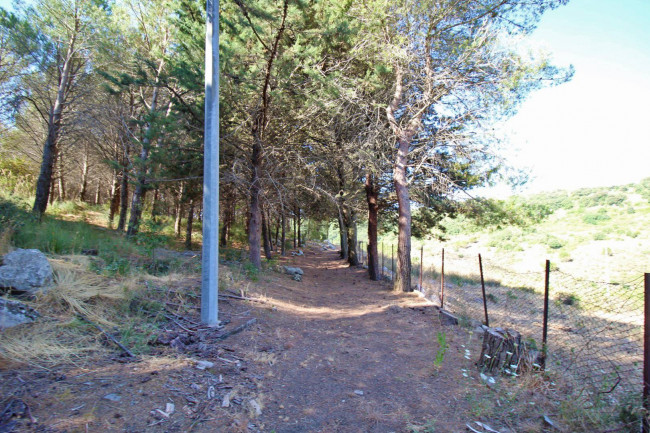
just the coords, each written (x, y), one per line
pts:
(349, 355)
(333, 353)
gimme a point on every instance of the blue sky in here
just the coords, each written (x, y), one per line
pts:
(592, 131)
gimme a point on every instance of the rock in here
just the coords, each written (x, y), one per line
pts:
(90, 252)
(13, 313)
(292, 271)
(202, 365)
(446, 318)
(297, 253)
(255, 406)
(297, 277)
(113, 397)
(358, 392)
(26, 271)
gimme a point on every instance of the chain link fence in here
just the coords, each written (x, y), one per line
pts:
(595, 328)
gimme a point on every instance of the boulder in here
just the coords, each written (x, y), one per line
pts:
(25, 271)
(13, 313)
(293, 271)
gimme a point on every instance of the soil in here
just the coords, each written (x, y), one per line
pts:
(334, 352)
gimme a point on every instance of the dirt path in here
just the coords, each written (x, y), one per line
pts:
(349, 355)
(333, 353)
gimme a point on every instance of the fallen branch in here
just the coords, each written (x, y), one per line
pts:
(243, 298)
(237, 329)
(109, 336)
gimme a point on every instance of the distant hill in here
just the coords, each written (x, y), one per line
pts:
(596, 233)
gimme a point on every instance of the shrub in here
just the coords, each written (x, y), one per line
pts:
(596, 218)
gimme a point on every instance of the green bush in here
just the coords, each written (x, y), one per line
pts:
(596, 218)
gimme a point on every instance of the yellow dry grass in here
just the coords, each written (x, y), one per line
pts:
(56, 337)
(5, 240)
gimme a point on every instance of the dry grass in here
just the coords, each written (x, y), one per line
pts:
(58, 337)
(5, 240)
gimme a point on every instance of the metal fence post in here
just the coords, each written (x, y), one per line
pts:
(646, 355)
(442, 281)
(547, 275)
(480, 265)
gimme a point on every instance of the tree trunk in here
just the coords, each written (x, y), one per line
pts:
(137, 200)
(62, 195)
(343, 233)
(283, 250)
(277, 232)
(115, 199)
(266, 236)
(299, 229)
(403, 272)
(83, 185)
(255, 216)
(124, 200)
(294, 226)
(54, 125)
(373, 210)
(97, 193)
(188, 227)
(351, 224)
(179, 210)
(154, 204)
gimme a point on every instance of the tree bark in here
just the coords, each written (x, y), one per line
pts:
(351, 224)
(266, 236)
(283, 250)
(61, 179)
(83, 186)
(124, 200)
(54, 125)
(373, 210)
(403, 272)
(255, 216)
(343, 234)
(299, 229)
(179, 210)
(229, 215)
(98, 195)
(188, 227)
(115, 199)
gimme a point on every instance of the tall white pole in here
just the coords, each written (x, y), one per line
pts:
(210, 263)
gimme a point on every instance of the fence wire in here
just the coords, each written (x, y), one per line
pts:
(595, 328)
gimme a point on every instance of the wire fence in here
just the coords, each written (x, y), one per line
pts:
(595, 329)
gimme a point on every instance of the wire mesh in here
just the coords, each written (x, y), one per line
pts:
(595, 328)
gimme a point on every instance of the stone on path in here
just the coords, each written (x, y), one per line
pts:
(13, 313)
(293, 271)
(26, 271)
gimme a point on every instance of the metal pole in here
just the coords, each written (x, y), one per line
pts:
(421, 264)
(442, 281)
(210, 256)
(646, 356)
(545, 323)
(480, 265)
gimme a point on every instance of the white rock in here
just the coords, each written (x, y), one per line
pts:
(26, 271)
(202, 365)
